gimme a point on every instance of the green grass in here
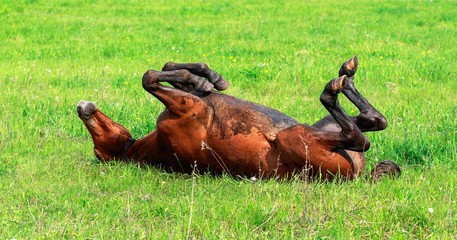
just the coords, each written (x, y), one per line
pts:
(54, 53)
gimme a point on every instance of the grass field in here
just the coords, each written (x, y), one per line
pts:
(54, 53)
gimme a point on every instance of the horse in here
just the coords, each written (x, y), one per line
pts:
(204, 130)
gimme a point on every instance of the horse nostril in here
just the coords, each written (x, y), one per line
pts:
(78, 108)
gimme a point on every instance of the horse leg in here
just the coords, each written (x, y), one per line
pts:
(369, 118)
(183, 126)
(324, 152)
(351, 136)
(177, 101)
(181, 79)
(199, 69)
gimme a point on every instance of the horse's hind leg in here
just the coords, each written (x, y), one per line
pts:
(351, 136)
(369, 118)
(199, 69)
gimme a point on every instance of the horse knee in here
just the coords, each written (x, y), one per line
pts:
(150, 79)
(381, 122)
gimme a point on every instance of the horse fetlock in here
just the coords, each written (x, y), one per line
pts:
(349, 86)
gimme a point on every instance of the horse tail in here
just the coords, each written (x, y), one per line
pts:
(385, 168)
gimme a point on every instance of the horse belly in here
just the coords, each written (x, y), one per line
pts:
(304, 149)
(240, 154)
(182, 145)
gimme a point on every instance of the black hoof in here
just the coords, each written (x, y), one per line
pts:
(336, 85)
(349, 68)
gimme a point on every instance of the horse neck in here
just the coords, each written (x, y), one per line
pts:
(144, 149)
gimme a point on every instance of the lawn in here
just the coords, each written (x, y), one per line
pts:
(55, 53)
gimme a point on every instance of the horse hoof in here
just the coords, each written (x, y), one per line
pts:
(338, 84)
(349, 67)
(221, 84)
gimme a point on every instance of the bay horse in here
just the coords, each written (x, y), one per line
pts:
(205, 130)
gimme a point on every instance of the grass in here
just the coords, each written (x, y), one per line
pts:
(54, 53)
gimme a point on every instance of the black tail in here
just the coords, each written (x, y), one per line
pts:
(385, 168)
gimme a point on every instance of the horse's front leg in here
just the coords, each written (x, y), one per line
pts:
(177, 101)
(369, 119)
(199, 69)
(181, 79)
(183, 126)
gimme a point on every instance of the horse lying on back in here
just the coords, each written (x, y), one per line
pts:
(206, 130)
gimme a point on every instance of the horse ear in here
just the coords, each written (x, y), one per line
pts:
(385, 168)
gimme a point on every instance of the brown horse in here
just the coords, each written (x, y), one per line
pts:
(205, 130)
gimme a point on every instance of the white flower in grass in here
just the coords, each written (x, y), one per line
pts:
(430, 210)
(253, 179)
